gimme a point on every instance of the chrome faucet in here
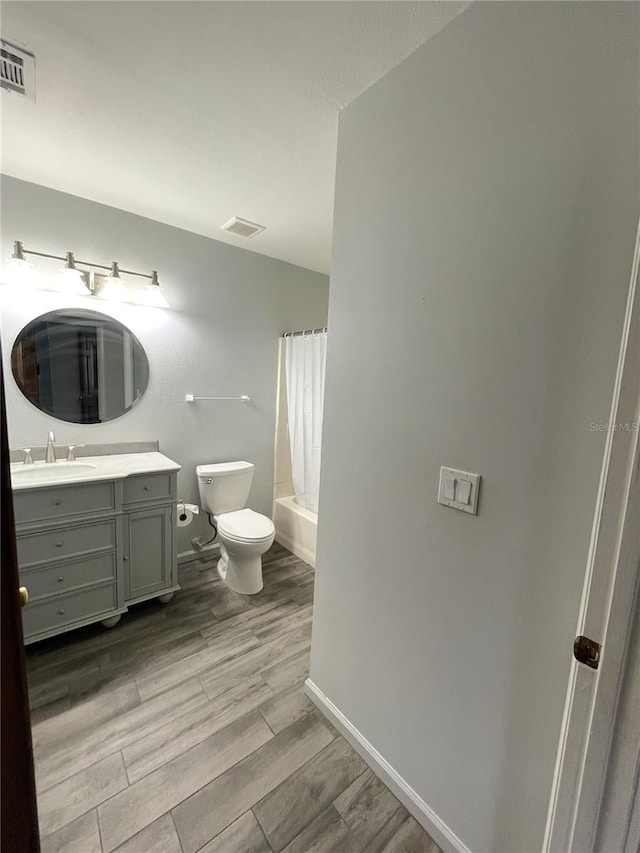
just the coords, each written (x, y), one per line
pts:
(50, 455)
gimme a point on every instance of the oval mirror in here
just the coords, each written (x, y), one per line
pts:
(80, 366)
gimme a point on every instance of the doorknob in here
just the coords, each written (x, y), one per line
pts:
(24, 596)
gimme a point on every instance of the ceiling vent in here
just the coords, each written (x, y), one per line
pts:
(17, 69)
(242, 227)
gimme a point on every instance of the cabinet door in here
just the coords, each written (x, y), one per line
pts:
(147, 553)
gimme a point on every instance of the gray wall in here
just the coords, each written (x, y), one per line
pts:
(486, 207)
(220, 336)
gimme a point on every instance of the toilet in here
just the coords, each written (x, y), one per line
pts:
(244, 535)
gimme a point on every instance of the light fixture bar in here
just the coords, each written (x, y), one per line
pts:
(19, 252)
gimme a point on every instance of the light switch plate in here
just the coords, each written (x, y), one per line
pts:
(469, 482)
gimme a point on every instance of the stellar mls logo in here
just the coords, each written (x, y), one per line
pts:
(620, 426)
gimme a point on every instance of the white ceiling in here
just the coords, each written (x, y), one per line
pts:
(193, 112)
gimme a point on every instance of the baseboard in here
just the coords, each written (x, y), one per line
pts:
(296, 548)
(442, 834)
(192, 554)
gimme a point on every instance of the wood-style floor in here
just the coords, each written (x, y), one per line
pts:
(186, 729)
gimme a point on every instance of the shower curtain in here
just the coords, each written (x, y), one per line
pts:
(305, 357)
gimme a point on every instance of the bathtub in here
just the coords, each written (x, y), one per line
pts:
(296, 528)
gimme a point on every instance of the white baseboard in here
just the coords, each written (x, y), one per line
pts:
(442, 834)
(296, 548)
(192, 554)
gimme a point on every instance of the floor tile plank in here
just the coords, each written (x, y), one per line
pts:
(56, 761)
(287, 674)
(159, 837)
(164, 677)
(411, 838)
(160, 746)
(79, 836)
(312, 788)
(327, 833)
(232, 672)
(139, 805)
(299, 619)
(285, 708)
(93, 714)
(243, 836)
(80, 793)
(366, 806)
(205, 814)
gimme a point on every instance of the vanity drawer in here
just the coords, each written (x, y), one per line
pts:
(44, 504)
(68, 542)
(56, 579)
(52, 613)
(149, 487)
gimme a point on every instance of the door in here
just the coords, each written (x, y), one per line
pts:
(147, 553)
(19, 814)
(606, 618)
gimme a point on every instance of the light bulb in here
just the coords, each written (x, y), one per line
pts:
(71, 280)
(114, 289)
(17, 272)
(152, 295)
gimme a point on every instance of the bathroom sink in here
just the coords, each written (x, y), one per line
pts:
(43, 472)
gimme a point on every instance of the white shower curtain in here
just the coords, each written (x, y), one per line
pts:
(305, 358)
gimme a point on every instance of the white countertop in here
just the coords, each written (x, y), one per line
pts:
(88, 469)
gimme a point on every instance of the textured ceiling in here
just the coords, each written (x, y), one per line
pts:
(192, 112)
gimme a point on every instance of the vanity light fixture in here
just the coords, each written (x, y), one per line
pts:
(89, 281)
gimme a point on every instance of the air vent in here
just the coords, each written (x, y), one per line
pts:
(17, 69)
(242, 227)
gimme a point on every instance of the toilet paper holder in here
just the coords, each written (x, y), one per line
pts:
(186, 512)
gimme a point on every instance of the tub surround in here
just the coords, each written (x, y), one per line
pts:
(296, 528)
(94, 536)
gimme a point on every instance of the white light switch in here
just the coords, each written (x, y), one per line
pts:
(464, 491)
(450, 488)
(459, 490)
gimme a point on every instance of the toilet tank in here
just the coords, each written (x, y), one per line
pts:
(224, 486)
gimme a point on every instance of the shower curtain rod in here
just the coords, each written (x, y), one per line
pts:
(304, 332)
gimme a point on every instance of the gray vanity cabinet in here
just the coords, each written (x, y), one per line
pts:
(87, 551)
(147, 552)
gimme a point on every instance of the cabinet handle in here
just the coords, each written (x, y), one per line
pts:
(147, 488)
(57, 503)
(61, 611)
(58, 544)
(60, 579)
(125, 559)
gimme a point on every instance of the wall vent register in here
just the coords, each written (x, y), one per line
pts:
(17, 70)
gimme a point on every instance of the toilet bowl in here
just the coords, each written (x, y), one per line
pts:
(244, 535)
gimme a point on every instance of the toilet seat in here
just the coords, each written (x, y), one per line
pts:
(245, 525)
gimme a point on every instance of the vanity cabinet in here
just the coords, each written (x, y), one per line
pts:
(148, 536)
(88, 551)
